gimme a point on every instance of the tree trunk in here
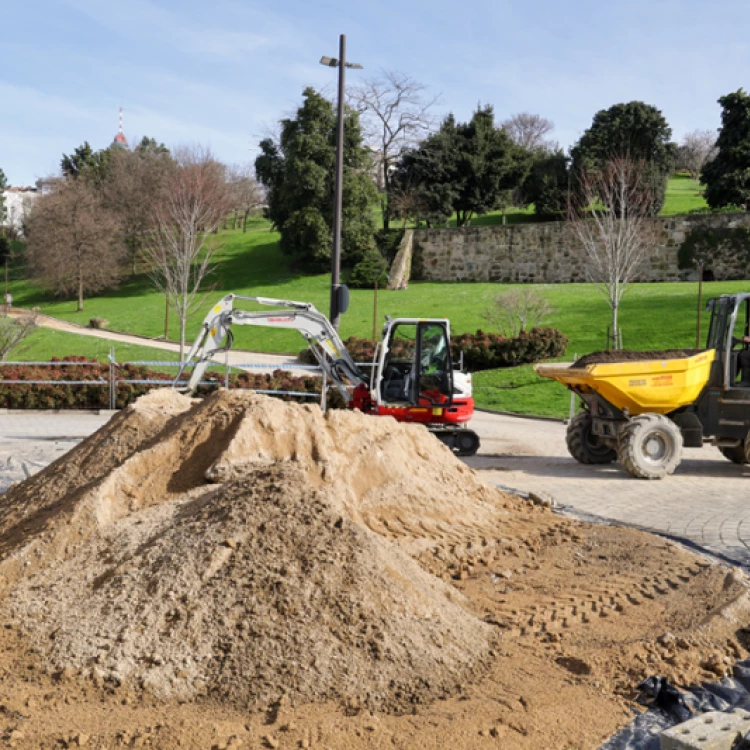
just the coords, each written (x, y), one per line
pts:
(135, 259)
(182, 336)
(244, 222)
(615, 329)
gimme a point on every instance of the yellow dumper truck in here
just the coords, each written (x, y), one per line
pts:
(641, 408)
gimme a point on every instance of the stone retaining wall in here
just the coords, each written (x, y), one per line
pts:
(548, 252)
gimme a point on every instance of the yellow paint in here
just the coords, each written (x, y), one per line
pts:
(213, 332)
(437, 412)
(217, 309)
(659, 386)
(336, 353)
(417, 410)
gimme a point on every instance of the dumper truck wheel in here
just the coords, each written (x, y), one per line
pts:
(585, 447)
(736, 454)
(650, 446)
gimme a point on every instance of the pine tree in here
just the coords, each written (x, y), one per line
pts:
(464, 168)
(727, 177)
(634, 131)
(299, 173)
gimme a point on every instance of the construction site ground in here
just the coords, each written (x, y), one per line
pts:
(567, 615)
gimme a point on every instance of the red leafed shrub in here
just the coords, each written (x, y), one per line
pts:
(488, 351)
(20, 395)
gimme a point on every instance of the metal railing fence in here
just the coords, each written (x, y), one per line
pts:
(112, 382)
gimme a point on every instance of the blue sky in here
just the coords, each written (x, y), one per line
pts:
(220, 73)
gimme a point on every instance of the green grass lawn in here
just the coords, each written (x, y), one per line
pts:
(653, 316)
(44, 343)
(683, 195)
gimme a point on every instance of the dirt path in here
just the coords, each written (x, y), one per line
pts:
(246, 360)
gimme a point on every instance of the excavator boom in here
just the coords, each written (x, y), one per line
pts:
(215, 337)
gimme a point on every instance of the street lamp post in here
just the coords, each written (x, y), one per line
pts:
(341, 64)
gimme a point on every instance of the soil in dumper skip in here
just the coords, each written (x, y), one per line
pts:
(625, 355)
(241, 572)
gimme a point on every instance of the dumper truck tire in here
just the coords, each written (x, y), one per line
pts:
(583, 445)
(736, 453)
(650, 446)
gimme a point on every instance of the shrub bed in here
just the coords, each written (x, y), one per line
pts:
(490, 351)
(481, 351)
(96, 396)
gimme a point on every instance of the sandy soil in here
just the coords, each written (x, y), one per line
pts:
(240, 572)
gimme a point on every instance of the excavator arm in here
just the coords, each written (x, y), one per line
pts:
(216, 336)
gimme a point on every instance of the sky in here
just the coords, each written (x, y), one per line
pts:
(222, 73)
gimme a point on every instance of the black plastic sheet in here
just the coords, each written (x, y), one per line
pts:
(668, 707)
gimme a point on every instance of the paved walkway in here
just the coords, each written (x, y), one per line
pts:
(29, 440)
(262, 362)
(706, 502)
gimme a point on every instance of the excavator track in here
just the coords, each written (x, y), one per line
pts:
(462, 441)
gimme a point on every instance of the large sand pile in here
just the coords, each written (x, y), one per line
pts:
(271, 582)
(241, 572)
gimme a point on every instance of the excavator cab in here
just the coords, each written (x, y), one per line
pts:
(415, 364)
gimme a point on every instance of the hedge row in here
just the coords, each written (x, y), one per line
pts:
(481, 351)
(489, 351)
(96, 396)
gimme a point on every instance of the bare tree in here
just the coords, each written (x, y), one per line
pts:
(610, 219)
(407, 201)
(517, 310)
(192, 204)
(528, 131)
(395, 114)
(245, 193)
(13, 332)
(134, 181)
(74, 242)
(696, 150)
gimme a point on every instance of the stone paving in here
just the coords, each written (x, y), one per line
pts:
(29, 440)
(705, 503)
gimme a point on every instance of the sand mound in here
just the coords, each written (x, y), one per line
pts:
(268, 581)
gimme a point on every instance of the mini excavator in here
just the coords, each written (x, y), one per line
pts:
(412, 377)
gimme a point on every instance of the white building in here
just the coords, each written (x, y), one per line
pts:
(18, 202)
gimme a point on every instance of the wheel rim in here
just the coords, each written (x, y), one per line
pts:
(657, 448)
